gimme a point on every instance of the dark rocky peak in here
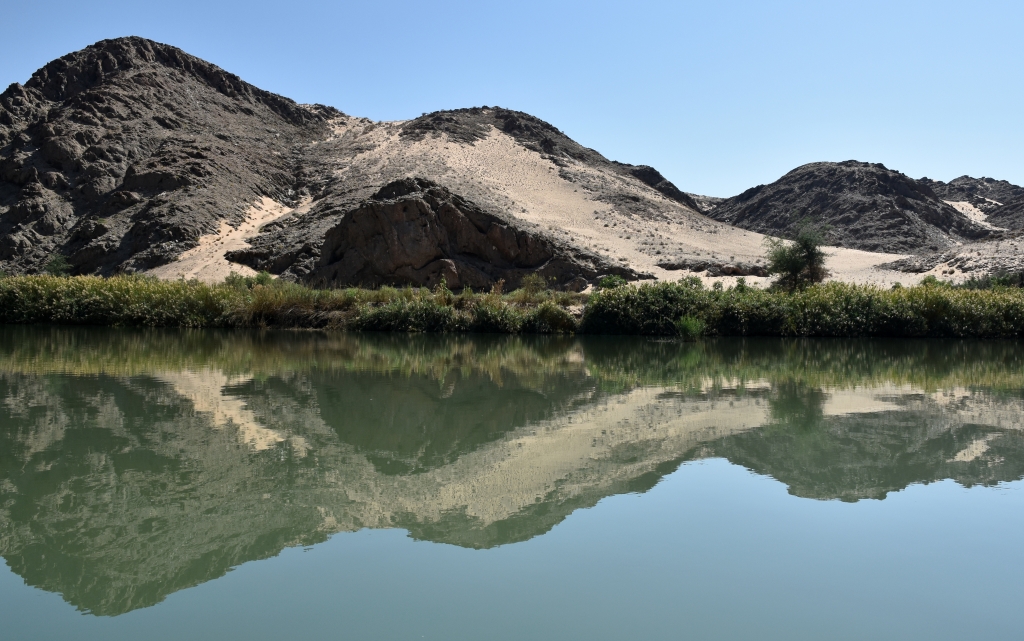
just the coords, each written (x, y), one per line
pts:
(121, 155)
(475, 123)
(108, 61)
(862, 205)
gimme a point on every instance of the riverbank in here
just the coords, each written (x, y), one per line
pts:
(663, 309)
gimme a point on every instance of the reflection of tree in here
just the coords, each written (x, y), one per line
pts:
(867, 455)
(797, 407)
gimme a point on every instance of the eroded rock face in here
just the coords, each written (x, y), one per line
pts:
(863, 206)
(121, 155)
(415, 232)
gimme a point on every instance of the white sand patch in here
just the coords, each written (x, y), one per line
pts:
(975, 449)
(205, 389)
(972, 212)
(861, 400)
(206, 262)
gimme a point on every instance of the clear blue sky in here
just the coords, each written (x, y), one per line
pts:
(719, 96)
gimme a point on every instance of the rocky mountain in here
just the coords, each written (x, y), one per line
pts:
(862, 205)
(122, 155)
(132, 155)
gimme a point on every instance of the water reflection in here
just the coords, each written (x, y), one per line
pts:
(137, 463)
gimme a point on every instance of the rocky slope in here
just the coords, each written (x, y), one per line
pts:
(131, 155)
(1009, 216)
(985, 194)
(415, 231)
(862, 205)
(124, 154)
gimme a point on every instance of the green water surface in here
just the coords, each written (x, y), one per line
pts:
(234, 485)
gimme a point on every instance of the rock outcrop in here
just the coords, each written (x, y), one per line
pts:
(415, 232)
(716, 268)
(861, 205)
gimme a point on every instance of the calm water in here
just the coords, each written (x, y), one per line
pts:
(205, 485)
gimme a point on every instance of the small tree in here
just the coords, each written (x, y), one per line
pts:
(799, 262)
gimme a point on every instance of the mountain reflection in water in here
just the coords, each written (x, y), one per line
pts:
(137, 463)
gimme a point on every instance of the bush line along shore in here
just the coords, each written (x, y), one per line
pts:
(685, 308)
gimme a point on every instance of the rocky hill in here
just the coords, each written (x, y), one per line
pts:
(124, 154)
(862, 205)
(133, 156)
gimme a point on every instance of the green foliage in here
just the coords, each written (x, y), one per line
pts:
(417, 316)
(797, 263)
(666, 309)
(549, 318)
(534, 283)
(690, 329)
(124, 300)
(611, 282)
(833, 309)
(57, 266)
(237, 281)
(1002, 279)
(489, 316)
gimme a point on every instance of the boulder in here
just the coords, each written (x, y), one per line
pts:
(415, 232)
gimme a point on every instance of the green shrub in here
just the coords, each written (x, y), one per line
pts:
(689, 328)
(495, 317)
(417, 316)
(611, 282)
(667, 309)
(549, 318)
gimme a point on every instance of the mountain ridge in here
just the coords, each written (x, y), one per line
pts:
(134, 156)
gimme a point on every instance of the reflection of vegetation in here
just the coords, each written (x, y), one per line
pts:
(614, 363)
(117, 446)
